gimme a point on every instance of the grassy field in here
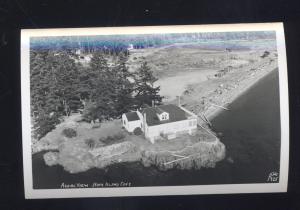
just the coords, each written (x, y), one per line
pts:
(171, 60)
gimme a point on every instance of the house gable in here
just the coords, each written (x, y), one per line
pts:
(163, 116)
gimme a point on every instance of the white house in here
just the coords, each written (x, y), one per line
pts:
(161, 122)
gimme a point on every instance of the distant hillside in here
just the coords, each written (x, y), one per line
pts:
(185, 57)
(90, 43)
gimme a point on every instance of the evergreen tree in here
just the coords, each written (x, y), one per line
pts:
(146, 92)
(89, 112)
(53, 86)
(113, 90)
(103, 84)
(66, 82)
(124, 87)
(44, 123)
(98, 62)
(86, 83)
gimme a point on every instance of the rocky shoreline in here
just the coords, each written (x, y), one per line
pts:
(196, 156)
(200, 155)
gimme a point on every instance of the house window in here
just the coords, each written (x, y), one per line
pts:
(164, 116)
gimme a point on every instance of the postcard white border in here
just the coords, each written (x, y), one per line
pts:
(31, 193)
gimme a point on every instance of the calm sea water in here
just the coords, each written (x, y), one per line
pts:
(251, 134)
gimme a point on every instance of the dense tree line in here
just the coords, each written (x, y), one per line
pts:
(60, 86)
(118, 43)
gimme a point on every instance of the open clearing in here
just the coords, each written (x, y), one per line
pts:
(173, 86)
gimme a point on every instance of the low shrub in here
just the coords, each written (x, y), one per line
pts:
(109, 138)
(112, 139)
(102, 139)
(100, 144)
(119, 136)
(266, 54)
(90, 142)
(137, 131)
(69, 132)
(96, 125)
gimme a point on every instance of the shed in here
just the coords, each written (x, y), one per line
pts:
(131, 121)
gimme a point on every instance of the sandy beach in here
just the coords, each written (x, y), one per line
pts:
(208, 97)
(243, 88)
(173, 86)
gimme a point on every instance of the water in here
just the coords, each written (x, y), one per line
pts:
(252, 131)
(251, 134)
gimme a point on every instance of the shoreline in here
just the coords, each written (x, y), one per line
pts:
(197, 154)
(208, 98)
(211, 115)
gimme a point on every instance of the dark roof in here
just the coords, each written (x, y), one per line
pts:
(132, 116)
(159, 110)
(175, 114)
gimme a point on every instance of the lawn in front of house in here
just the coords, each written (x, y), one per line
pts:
(89, 136)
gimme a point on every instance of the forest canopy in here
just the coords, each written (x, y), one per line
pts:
(119, 43)
(60, 85)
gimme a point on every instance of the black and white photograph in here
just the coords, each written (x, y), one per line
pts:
(162, 110)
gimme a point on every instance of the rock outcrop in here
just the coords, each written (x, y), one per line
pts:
(201, 154)
(51, 158)
(77, 158)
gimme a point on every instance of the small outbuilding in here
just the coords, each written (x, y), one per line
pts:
(131, 121)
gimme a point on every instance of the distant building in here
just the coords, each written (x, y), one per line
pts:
(165, 121)
(83, 59)
(78, 52)
(130, 47)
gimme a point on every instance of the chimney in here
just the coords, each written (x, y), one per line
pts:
(152, 103)
(178, 100)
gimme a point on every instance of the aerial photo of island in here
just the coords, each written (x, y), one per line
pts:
(154, 109)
